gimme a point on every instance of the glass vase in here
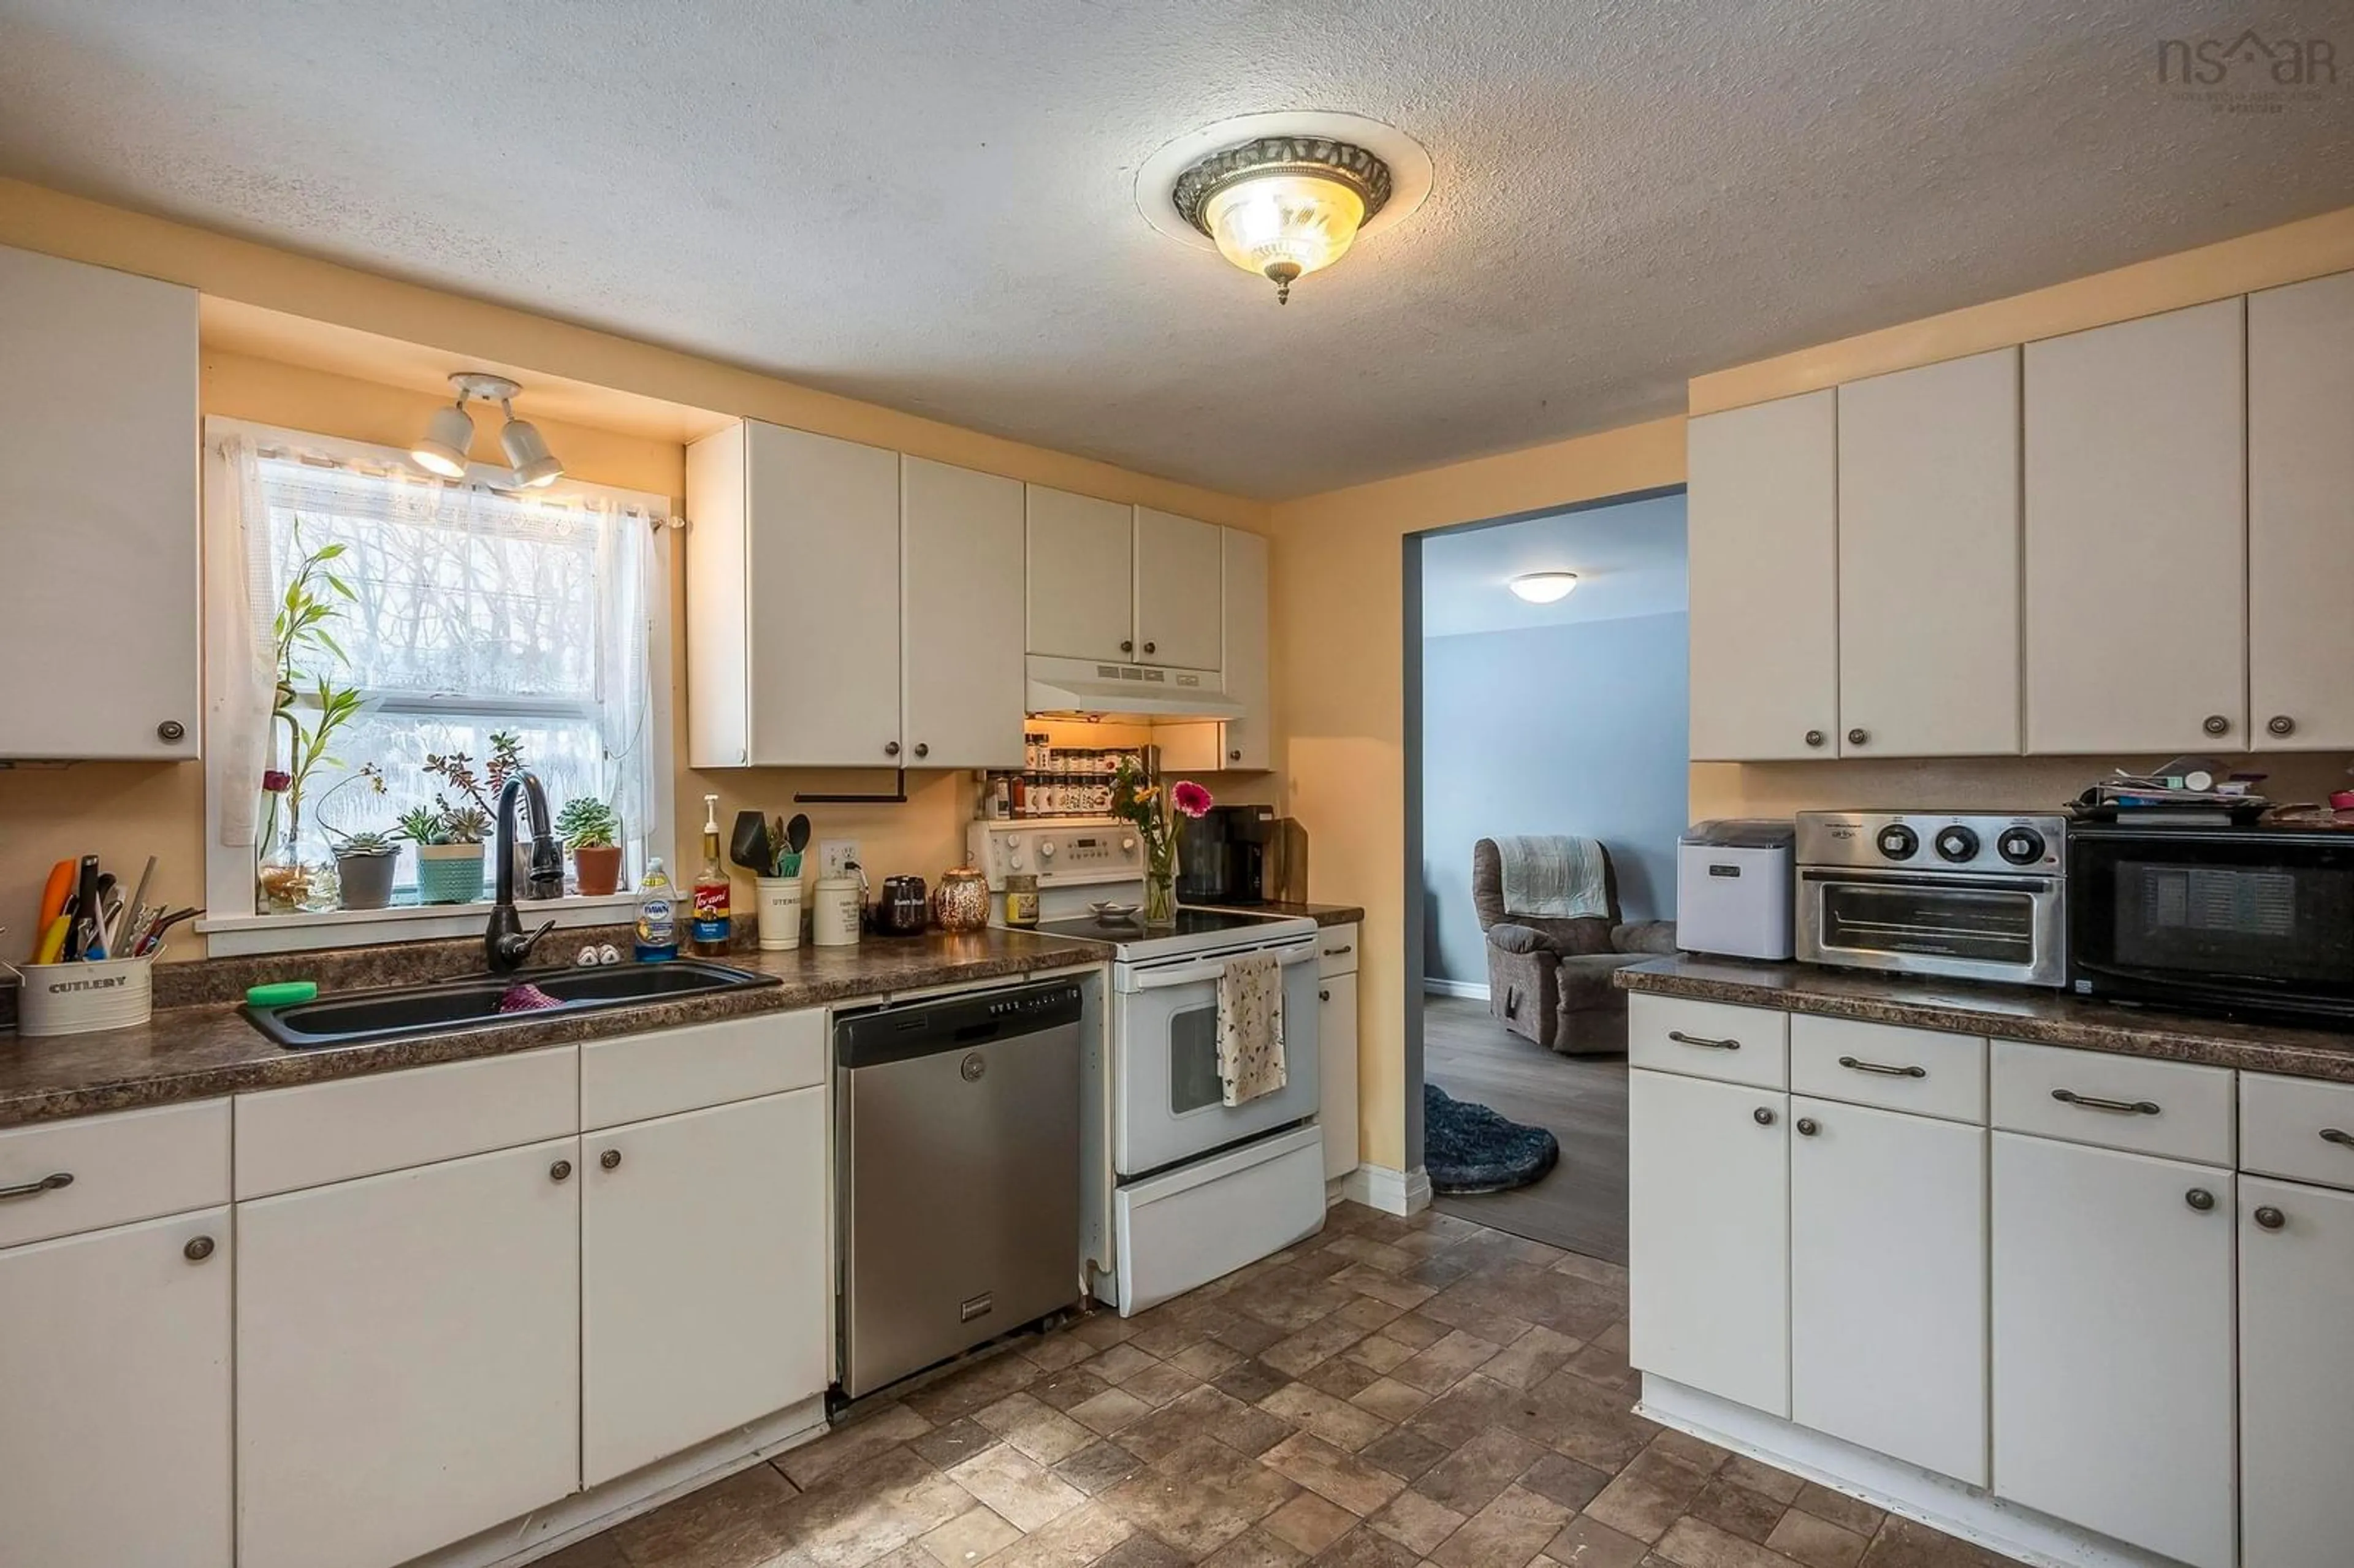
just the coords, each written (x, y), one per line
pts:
(1161, 889)
(284, 881)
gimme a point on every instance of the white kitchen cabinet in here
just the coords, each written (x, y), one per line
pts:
(1249, 740)
(99, 601)
(2301, 516)
(703, 1275)
(1761, 527)
(792, 601)
(1081, 575)
(2297, 1374)
(2113, 1343)
(1928, 560)
(1709, 1236)
(1336, 1071)
(1888, 1280)
(961, 618)
(115, 1397)
(2137, 561)
(408, 1358)
(1180, 571)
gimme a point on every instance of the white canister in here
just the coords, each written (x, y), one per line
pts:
(780, 902)
(83, 998)
(833, 912)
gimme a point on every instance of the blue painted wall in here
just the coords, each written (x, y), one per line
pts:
(1563, 729)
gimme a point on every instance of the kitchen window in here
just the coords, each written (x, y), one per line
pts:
(434, 628)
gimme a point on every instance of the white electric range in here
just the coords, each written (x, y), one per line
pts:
(1180, 1187)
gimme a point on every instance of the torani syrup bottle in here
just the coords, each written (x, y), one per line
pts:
(708, 924)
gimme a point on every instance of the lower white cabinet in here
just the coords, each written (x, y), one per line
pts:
(2296, 1374)
(1709, 1236)
(408, 1358)
(702, 1271)
(115, 1397)
(1888, 1270)
(2113, 1344)
(1336, 1070)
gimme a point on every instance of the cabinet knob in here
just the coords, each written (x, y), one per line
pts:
(2216, 724)
(198, 1249)
(2271, 1219)
(890, 748)
(1151, 648)
(171, 731)
(560, 1172)
(2280, 723)
(1323, 996)
(1762, 1116)
(1127, 647)
(1808, 1126)
(2200, 1198)
(922, 750)
(610, 1160)
(1234, 756)
(1814, 738)
(1858, 736)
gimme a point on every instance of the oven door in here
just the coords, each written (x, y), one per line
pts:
(1969, 928)
(1167, 1100)
(2246, 919)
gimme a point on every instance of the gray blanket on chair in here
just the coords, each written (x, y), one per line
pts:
(1554, 877)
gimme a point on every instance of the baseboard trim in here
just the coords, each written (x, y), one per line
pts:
(1391, 1191)
(1922, 1495)
(1477, 991)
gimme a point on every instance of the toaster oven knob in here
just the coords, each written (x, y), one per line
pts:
(1957, 844)
(1898, 841)
(2020, 846)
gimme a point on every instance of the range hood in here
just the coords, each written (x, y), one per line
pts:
(1086, 688)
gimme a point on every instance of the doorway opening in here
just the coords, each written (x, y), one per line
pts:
(1547, 767)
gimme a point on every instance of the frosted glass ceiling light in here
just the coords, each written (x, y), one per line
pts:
(1283, 207)
(1544, 587)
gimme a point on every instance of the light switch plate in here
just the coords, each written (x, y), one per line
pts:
(834, 856)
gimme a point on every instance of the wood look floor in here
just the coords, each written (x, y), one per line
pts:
(1580, 1206)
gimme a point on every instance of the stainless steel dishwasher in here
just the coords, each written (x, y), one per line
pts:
(959, 1175)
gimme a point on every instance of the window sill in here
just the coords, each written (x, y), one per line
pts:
(242, 935)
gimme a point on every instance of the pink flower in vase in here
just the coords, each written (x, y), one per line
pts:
(1190, 798)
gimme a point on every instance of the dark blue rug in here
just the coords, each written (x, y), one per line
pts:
(1471, 1148)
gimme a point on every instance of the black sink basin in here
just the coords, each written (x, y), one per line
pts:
(471, 1001)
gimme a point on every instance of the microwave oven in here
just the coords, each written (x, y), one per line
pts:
(2244, 921)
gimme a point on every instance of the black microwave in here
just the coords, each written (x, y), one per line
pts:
(2255, 922)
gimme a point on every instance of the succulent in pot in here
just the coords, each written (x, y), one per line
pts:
(364, 864)
(449, 851)
(590, 831)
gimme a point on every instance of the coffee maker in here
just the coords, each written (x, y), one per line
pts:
(1232, 854)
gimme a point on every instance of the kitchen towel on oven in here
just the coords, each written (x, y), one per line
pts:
(1250, 1028)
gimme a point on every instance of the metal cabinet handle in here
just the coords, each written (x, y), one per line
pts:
(2200, 1198)
(1808, 1126)
(198, 1249)
(922, 750)
(2216, 724)
(2281, 724)
(50, 1183)
(1127, 647)
(1814, 738)
(1323, 996)
(171, 731)
(1762, 1116)
(560, 1172)
(1344, 947)
(890, 748)
(610, 1160)
(2269, 1218)
(1854, 1064)
(1151, 648)
(2337, 1136)
(1858, 736)
(1704, 1042)
(1234, 756)
(2094, 1102)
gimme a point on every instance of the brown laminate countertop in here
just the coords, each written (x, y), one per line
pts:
(1323, 914)
(206, 1048)
(2009, 1013)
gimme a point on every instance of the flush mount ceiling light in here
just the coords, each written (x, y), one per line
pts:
(1544, 587)
(1283, 195)
(450, 434)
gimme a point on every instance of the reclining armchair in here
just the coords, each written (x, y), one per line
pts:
(1549, 978)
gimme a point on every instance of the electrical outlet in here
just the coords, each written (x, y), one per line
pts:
(835, 856)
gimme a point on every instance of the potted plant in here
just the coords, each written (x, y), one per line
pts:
(364, 861)
(1138, 800)
(299, 630)
(450, 863)
(449, 869)
(589, 829)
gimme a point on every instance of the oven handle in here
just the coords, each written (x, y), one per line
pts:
(2022, 882)
(1193, 974)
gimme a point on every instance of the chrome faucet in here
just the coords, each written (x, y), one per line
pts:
(504, 946)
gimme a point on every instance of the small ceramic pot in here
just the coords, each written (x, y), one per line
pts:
(450, 874)
(778, 900)
(598, 868)
(365, 881)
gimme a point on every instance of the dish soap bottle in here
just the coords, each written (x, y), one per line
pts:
(657, 915)
(709, 924)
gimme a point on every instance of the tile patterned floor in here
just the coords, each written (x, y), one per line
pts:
(1389, 1394)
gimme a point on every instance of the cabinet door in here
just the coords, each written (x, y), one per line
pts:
(408, 1358)
(98, 523)
(1336, 1070)
(961, 547)
(1081, 571)
(2297, 1374)
(2136, 536)
(1178, 587)
(114, 1422)
(2301, 514)
(1888, 1313)
(2113, 1343)
(1249, 741)
(704, 1278)
(1763, 526)
(1709, 1236)
(1928, 560)
(822, 527)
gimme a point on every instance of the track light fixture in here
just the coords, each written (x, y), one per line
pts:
(450, 434)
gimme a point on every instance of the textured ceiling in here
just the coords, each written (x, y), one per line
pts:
(930, 204)
(1628, 557)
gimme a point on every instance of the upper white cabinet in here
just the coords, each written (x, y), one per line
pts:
(1763, 526)
(2301, 516)
(961, 658)
(1180, 573)
(2136, 535)
(1081, 576)
(1248, 741)
(99, 523)
(1928, 560)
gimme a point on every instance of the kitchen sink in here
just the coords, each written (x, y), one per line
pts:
(471, 1001)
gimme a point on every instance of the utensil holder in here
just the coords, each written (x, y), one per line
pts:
(83, 998)
(778, 900)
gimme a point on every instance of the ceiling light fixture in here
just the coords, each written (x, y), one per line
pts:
(450, 434)
(1544, 587)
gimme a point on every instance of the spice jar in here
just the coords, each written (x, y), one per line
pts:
(1022, 901)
